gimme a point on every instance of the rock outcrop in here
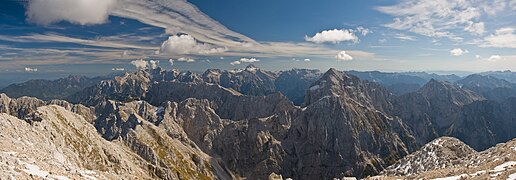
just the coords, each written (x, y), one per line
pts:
(449, 158)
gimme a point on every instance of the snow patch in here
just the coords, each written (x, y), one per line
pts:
(35, 170)
(452, 177)
(512, 177)
(503, 166)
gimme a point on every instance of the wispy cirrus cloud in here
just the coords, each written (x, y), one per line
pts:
(443, 18)
(190, 31)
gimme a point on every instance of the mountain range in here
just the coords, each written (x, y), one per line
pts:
(252, 123)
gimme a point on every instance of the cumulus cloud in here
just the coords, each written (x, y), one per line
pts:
(118, 69)
(153, 64)
(334, 36)
(235, 63)
(249, 60)
(458, 52)
(502, 38)
(244, 60)
(494, 58)
(343, 56)
(28, 69)
(83, 12)
(140, 64)
(184, 59)
(186, 44)
(307, 60)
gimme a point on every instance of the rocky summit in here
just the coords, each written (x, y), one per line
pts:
(256, 124)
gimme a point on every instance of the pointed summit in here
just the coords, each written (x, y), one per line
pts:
(251, 66)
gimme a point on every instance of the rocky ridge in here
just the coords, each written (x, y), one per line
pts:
(449, 158)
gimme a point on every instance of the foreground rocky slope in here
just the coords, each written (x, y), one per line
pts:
(140, 146)
(449, 158)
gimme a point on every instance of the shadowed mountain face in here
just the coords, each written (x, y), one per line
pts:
(490, 87)
(402, 82)
(56, 89)
(231, 124)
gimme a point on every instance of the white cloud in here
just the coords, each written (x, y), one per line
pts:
(244, 60)
(494, 58)
(458, 52)
(118, 69)
(441, 18)
(502, 38)
(175, 17)
(140, 64)
(235, 63)
(153, 64)
(477, 56)
(405, 37)
(83, 12)
(334, 36)
(28, 69)
(475, 28)
(249, 60)
(307, 60)
(183, 59)
(343, 56)
(186, 44)
(171, 61)
(363, 31)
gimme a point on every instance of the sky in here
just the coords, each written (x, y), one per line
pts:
(105, 36)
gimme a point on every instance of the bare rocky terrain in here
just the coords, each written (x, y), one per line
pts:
(251, 124)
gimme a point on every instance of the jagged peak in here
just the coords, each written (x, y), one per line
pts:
(334, 76)
(251, 66)
(434, 84)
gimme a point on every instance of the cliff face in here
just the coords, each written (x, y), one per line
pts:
(119, 144)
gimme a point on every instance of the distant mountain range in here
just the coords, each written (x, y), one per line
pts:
(252, 123)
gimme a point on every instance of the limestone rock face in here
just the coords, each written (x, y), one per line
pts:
(63, 144)
(337, 83)
(489, 87)
(159, 147)
(440, 153)
(342, 133)
(131, 86)
(433, 109)
(228, 103)
(250, 81)
(295, 82)
(25, 107)
(449, 158)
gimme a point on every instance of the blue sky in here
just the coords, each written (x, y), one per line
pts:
(95, 36)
